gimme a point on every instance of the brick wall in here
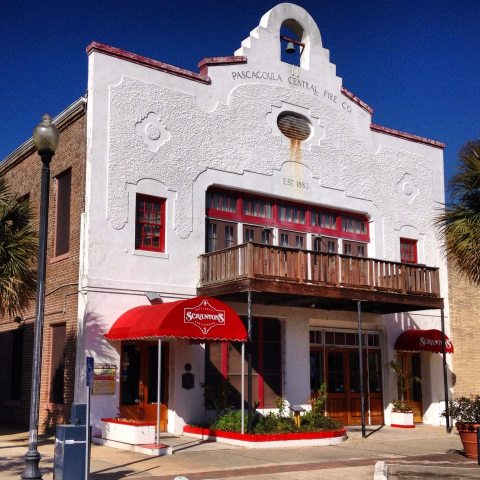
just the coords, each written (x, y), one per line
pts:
(23, 174)
(465, 325)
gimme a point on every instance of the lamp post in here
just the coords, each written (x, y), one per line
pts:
(45, 138)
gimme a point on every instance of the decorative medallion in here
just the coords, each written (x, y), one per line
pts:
(153, 132)
(407, 188)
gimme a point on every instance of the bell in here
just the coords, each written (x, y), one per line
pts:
(290, 48)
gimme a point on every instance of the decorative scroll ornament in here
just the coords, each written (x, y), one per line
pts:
(153, 132)
(408, 189)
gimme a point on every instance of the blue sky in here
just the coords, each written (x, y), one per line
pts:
(417, 63)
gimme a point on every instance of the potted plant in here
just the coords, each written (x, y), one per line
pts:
(466, 413)
(402, 413)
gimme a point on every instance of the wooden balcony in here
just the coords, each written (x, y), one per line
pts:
(287, 276)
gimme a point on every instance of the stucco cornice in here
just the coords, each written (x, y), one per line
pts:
(406, 136)
(146, 62)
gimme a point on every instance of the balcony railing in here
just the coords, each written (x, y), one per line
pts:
(252, 260)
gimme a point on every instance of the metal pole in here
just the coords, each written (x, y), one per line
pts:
(445, 378)
(243, 387)
(360, 360)
(87, 428)
(32, 457)
(159, 389)
(249, 359)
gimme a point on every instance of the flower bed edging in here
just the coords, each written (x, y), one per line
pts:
(327, 437)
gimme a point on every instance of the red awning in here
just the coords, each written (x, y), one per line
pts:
(198, 318)
(423, 340)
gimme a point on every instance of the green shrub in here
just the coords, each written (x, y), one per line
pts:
(313, 421)
(230, 421)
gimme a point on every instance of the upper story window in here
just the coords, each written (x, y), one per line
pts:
(150, 223)
(257, 207)
(221, 235)
(261, 211)
(62, 214)
(324, 219)
(408, 250)
(291, 214)
(223, 201)
(354, 225)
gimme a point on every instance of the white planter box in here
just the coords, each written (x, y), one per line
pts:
(134, 434)
(402, 419)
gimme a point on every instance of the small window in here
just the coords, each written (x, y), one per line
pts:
(354, 225)
(316, 337)
(256, 234)
(292, 239)
(223, 201)
(16, 367)
(324, 219)
(62, 217)
(257, 208)
(291, 214)
(294, 125)
(57, 364)
(150, 223)
(220, 235)
(354, 249)
(325, 245)
(408, 250)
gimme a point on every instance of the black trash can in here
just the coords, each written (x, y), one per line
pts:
(69, 456)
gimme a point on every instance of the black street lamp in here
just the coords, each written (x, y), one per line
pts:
(45, 138)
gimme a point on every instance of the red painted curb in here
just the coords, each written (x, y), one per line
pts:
(264, 437)
(394, 425)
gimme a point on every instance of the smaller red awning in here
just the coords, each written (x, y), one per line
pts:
(423, 340)
(199, 318)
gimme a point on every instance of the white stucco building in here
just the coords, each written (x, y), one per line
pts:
(264, 176)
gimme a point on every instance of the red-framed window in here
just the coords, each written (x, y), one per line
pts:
(408, 250)
(223, 367)
(150, 223)
(255, 209)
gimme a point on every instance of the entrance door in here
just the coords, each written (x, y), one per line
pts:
(343, 386)
(138, 391)
(411, 366)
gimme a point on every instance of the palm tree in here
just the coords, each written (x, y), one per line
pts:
(460, 223)
(18, 253)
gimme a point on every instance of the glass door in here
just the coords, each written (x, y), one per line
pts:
(138, 390)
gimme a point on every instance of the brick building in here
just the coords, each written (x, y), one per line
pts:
(67, 193)
(464, 300)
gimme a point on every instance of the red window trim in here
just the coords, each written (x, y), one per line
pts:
(162, 201)
(307, 227)
(412, 242)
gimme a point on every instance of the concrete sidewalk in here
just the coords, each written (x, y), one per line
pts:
(423, 452)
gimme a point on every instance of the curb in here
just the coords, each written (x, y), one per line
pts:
(380, 472)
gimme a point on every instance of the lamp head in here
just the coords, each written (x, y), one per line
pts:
(46, 135)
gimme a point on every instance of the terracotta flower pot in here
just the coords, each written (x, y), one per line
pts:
(468, 436)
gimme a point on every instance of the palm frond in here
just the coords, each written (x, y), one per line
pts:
(459, 223)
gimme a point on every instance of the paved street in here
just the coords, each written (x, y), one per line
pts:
(425, 452)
